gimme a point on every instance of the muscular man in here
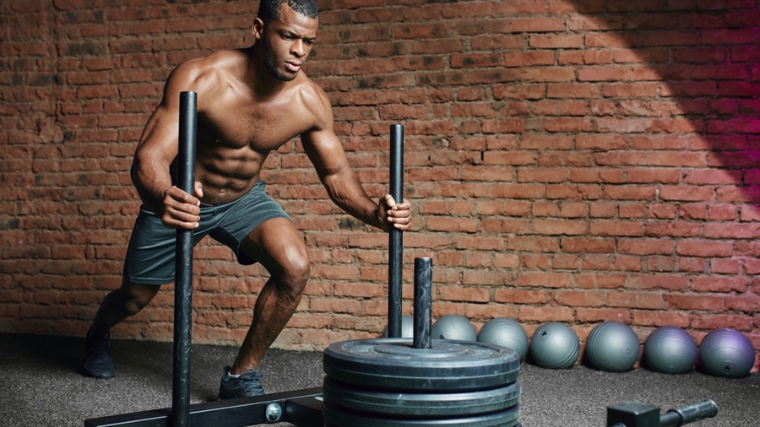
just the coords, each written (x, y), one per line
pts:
(250, 102)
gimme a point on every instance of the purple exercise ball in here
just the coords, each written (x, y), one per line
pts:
(726, 353)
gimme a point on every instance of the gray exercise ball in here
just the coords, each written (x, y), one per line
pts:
(726, 353)
(555, 346)
(670, 350)
(505, 333)
(453, 327)
(612, 346)
(407, 327)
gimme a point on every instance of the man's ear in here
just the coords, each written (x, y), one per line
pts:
(257, 28)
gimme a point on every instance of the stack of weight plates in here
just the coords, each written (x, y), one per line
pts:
(389, 383)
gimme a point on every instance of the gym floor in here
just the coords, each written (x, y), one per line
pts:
(41, 385)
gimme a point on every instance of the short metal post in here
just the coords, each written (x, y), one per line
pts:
(423, 302)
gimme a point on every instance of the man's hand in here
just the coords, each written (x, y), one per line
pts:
(398, 215)
(181, 209)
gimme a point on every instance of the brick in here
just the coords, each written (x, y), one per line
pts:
(713, 322)
(476, 60)
(563, 41)
(528, 59)
(722, 212)
(747, 302)
(647, 300)
(541, 175)
(626, 192)
(694, 302)
(555, 142)
(519, 296)
(547, 280)
(732, 230)
(580, 298)
(487, 278)
(598, 74)
(631, 210)
(658, 319)
(517, 191)
(659, 175)
(627, 263)
(559, 227)
(593, 315)
(719, 284)
(704, 248)
(686, 193)
(464, 294)
(645, 246)
(616, 228)
(532, 244)
(505, 226)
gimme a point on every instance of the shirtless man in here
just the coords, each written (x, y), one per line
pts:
(250, 102)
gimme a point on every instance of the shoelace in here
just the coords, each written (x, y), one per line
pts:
(251, 382)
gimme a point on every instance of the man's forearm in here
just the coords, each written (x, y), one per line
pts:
(346, 191)
(150, 186)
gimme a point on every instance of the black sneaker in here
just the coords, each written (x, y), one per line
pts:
(246, 385)
(97, 360)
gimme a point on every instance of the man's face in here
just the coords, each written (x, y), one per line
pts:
(287, 43)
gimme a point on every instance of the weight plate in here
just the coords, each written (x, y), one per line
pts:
(335, 416)
(420, 405)
(394, 364)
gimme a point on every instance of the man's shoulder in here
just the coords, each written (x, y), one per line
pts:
(208, 71)
(315, 101)
(311, 94)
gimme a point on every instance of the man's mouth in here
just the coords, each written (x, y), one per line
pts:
(293, 66)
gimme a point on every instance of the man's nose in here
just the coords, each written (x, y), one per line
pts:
(298, 49)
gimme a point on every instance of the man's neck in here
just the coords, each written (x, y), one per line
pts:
(259, 79)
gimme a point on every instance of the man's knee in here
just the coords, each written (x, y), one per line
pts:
(295, 274)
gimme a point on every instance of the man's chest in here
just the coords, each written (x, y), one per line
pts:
(261, 129)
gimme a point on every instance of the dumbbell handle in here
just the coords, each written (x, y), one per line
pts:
(689, 414)
(677, 417)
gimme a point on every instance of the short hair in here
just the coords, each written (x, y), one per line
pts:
(270, 9)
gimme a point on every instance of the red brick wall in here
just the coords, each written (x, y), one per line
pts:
(569, 161)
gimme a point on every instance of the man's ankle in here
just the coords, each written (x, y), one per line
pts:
(97, 332)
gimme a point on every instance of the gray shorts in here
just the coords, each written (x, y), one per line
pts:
(152, 247)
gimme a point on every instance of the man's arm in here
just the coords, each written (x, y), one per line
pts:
(158, 148)
(326, 153)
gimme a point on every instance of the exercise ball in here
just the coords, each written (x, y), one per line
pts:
(726, 353)
(670, 350)
(612, 346)
(555, 346)
(407, 327)
(505, 333)
(453, 327)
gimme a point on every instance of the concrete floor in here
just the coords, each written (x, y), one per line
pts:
(41, 385)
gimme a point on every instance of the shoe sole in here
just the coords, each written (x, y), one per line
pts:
(100, 377)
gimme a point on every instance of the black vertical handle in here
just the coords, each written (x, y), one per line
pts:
(183, 291)
(395, 237)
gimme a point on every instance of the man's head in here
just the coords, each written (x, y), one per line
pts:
(271, 9)
(286, 30)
